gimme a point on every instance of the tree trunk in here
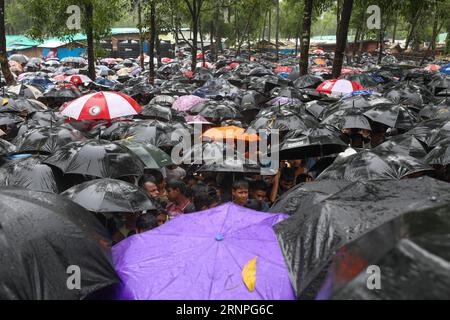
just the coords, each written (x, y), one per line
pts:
(152, 74)
(9, 78)
(270, 24)
(90, 40)
(217, 35)
(201, 43)
(341, 37)
(277, 33)
(413, 29)
(158, 48)
(141, 37)
(195, 18)
(394, 32)
(306, 37)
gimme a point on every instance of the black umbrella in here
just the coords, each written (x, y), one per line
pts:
(231, 165)
(163, 100)
(316, 108)
(310, 237)
(374, 165)
(411, 252)
(98, 158)
(155, 111)
(315, 142)
(308, 81)
(217, 110)
(440, 155)
(6, 148)
(393, 116)
(348, 119)
(307, 194)
(31, 173)
(151, 156)
(60, 95)
(109, 195)
(405, 94)
(403, 144)
(431, 132)
(47, 139)
(25, 91)
(283, 120)
(432, 111)
(440, 86)
(46, 238)
(24, 106)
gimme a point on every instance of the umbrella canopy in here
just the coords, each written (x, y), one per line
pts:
(20, 58)
(43, 235)
(154, 111)
(47, 140)
(284, 120)
(31, 173)
(151, 156)
(78, 79)
(217, 110)
(307, 81)
(404, 144)
(431, 132)
(411, 252)
(393, 116)
(25, 91)
(24, 106)
(339, 87)
(74, 60)
(109, 195)
(229, 132)
(440, 155)
(185, 103)
(101, 105)
(405, 94)
(374, 165)
(213, 251)
(97, 158)
(445, 69)
(315, 142)
(310, 237)
(348, 119)
(6, 148)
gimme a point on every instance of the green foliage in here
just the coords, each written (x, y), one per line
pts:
(48, 17)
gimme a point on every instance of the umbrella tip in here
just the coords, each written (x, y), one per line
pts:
(219, 237)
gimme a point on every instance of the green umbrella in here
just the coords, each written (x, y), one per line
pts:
(150, 155)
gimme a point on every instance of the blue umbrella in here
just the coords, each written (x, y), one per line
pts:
(445, 69)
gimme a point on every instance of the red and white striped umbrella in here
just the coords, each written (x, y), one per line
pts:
(101, 105)
(339, 87)
(318, 51)
(166, 60)
(78, 79)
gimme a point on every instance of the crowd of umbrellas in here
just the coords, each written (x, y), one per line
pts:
(72, 149)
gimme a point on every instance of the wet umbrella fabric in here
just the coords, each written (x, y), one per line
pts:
(6, 147)
(310, 237)
(316, 142)
(151, 156)
(392, 116)
(411, 252)
(374, 165)
(404, 144)
(31, 173)
(440, 155)
(43, 235)
(109, 195)
(98, 158)
(47, 140)
(206, 256)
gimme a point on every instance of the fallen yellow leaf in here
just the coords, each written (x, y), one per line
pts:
(249, 275)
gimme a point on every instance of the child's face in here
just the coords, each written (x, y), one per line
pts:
(161, 219)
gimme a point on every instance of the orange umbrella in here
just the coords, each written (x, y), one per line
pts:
(320, 62)
(231, 132)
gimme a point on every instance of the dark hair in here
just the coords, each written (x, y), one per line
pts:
(180, 185)
(259, 185)
(288, 174)
(147, 178)
(156, 175)
(206, 198)
(240, 184)
(146, 222)
(302, 178)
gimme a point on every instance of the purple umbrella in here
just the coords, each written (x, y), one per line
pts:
(185, 103)
(202, 256)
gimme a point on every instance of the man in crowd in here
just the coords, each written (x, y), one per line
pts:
(179, 199)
